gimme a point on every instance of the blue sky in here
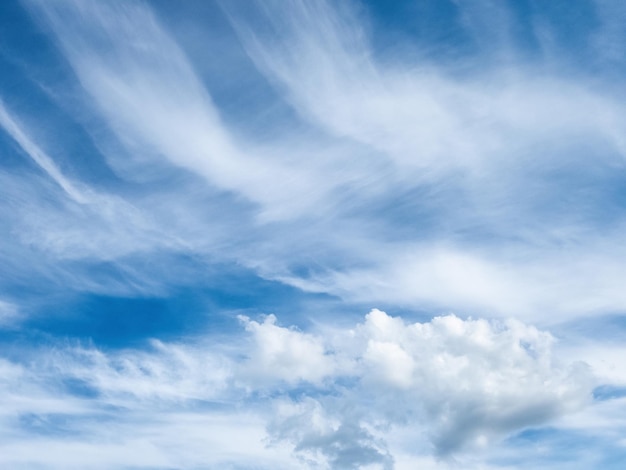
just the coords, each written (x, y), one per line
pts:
(312, 234)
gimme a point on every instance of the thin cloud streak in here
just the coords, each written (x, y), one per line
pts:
(38, 156)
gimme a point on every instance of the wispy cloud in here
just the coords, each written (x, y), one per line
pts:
(476, 156)
(38, 156)
(9, 314)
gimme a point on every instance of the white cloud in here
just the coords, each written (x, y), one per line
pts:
(463, 383)
(159, 438)
(166, 372)
(573, 280)
(471, 379)
(285, 354)
(323, 438)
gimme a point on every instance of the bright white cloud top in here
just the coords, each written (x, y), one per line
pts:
(200, 201)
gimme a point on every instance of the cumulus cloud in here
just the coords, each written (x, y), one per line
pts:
(327, 438)
(470, 380)
(284, 354)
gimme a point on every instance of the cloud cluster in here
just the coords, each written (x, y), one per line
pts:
(335, 394)
(469, 380)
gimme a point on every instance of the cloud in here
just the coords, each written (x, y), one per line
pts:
(287, 355)
(471, 380)
(120, 220)
(164, 373)
(39, 157)
(324, 440)
(572, 281)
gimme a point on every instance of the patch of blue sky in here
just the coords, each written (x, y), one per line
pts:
(609, 392)
(486, 33)
(208, 310)
(79, 388)
(184, 298)
(58, 425)
(611, 327)
(562, 449)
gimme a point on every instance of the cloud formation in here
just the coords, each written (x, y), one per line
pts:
(332, 395)
(469, 380)
(206, 163)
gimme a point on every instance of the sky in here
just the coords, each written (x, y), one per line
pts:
(313, 234)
